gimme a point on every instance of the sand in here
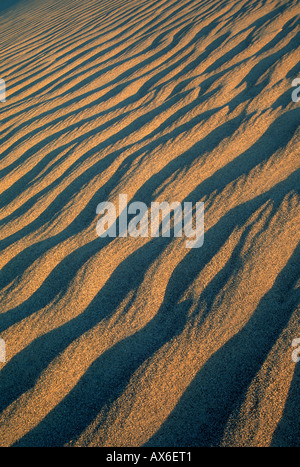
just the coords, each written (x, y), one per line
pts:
(142, 341)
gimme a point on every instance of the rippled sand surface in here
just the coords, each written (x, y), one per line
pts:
(142, 341)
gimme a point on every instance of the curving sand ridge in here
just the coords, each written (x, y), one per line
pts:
(141, 341)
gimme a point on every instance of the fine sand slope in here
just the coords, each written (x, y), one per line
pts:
(142, 341)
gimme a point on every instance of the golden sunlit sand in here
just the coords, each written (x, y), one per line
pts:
(142, 341)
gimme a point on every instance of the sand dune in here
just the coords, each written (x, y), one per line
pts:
(142, 341)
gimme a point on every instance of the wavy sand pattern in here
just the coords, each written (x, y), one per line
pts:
(141, 341)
